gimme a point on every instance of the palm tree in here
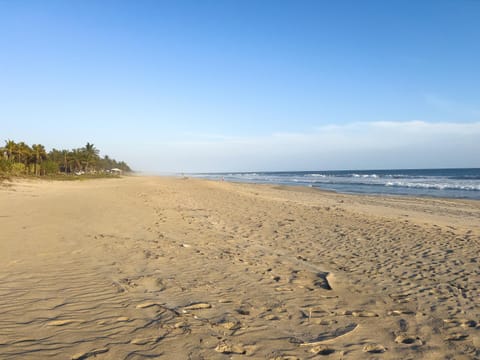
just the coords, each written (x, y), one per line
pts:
(123, 165)
(91, 155)
(39, 154)
(75, 160)
(65, 160)
(10, 149)
(21, 158)
(24, 155)
(60, 157)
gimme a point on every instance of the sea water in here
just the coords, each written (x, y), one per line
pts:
(447, 183)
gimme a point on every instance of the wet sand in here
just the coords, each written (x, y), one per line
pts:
(145, 267)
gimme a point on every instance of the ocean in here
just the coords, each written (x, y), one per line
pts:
(444, 183)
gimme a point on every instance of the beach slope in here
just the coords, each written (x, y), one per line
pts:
(147, 267)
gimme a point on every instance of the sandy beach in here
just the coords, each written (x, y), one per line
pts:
(147, 267)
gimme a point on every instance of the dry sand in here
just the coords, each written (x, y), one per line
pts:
(139, 268)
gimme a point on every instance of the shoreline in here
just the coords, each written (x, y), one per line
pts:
(319, 189)
(458, 183)
(215, 269)
(12, 179)
(312, 189)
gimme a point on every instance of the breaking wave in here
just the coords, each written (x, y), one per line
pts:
(453, 183)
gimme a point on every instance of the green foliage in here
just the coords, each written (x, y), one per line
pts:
(49, 167)
(21, 159)
(18, 169)
(5, 166)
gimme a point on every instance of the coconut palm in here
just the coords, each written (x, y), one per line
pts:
(90, 155)
(60, 157)
(24, 155)
(65, 160)
(75, 160)
(17, 158)
(10, 149)
(39, 154)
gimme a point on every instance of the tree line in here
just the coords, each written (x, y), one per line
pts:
(19, 158)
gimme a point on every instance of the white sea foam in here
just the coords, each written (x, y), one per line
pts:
(437, 186)
(449, 183)
(365, 176)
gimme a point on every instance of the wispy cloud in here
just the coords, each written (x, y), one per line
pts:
(387, 144)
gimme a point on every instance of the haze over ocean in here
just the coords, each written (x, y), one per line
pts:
(189, 86)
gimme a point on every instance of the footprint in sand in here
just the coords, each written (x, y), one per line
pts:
(271, 317)
(374, 348)
(314, 312)
(468, 323)
(226, 348)
(322, 350)
(324, 322)
(151, 284)
(229, 349)
(331, 335)
(243, 311)
(408, 340)
(310, 280)
(229, 323)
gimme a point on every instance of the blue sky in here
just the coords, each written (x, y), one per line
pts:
(246, 85)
